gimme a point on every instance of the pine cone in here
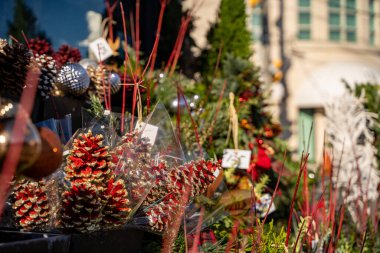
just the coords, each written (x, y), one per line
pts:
(48, 75)
(133, 159)
(161, 215)
(195, 175)
(15, 62)
(66, 54)
(81, 207)
(99, 77)
(40, 46)
(95, 198)
(2, 45)
(116, 210)
(89, 160)
(30, 204)
(161, 185)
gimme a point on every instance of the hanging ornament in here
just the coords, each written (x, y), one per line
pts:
(31, 143)
(50, 157)
(115, 82)
(73, 79)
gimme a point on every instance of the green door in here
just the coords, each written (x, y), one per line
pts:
(306, 139)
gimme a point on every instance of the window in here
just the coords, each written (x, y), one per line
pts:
(257, 22)
(304, 19)
(342, 20)
(306, 135)
(372, 22)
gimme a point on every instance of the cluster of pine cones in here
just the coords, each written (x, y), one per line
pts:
(94, 198)
(186, 181)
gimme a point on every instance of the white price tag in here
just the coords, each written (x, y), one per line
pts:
(216, 173)
(263, 206)
(236, 158)
(101, 49)
(147, 131)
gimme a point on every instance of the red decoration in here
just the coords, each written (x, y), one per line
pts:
(94, 199)
(30, 204)
(40, 46)
(66, 54)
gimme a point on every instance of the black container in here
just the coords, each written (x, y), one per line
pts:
(28, 242)
(116, 241)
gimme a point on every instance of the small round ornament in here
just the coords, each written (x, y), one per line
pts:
(115, 82)
(73, 79)
(50, 158)
(30, 142)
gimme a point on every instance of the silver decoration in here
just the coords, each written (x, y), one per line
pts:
(115, 82)
(73, 79)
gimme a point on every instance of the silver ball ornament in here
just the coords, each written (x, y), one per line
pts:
(73, 79)
(115, 82)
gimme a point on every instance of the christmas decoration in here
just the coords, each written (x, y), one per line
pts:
(50, 157)
(133, 159)
(31, 143)
(115, 82)
(66, 54)
(15, 62)
(100, 81)
(348, 131)
(195, 176)
(93, 199)
(40, 46)
(73, 79)
(48, 74)
(30, 204)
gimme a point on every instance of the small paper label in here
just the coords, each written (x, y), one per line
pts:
(148, 131)
(263, 205)
(216, 173)
(236, 158)
(101, 49)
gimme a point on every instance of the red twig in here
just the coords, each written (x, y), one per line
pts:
(18, 132)
(152, 57)
(302, 166)
(184, 23)
(137, 34)
(25, 38)
(125, 66)
(233, 236)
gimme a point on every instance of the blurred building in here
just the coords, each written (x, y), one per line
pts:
(306, 48)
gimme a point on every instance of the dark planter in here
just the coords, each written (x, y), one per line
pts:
(21, 242)
(115, 241)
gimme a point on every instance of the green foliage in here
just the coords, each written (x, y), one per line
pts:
(24, 20)
(261, 185)
(271, 241)
(97, 108)
(230, 33)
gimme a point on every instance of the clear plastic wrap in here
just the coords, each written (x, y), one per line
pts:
(93, 196)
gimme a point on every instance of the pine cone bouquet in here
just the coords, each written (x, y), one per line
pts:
(133, 158)
(92, 199)
(48, 69)
(30, 205)
(167, 199)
